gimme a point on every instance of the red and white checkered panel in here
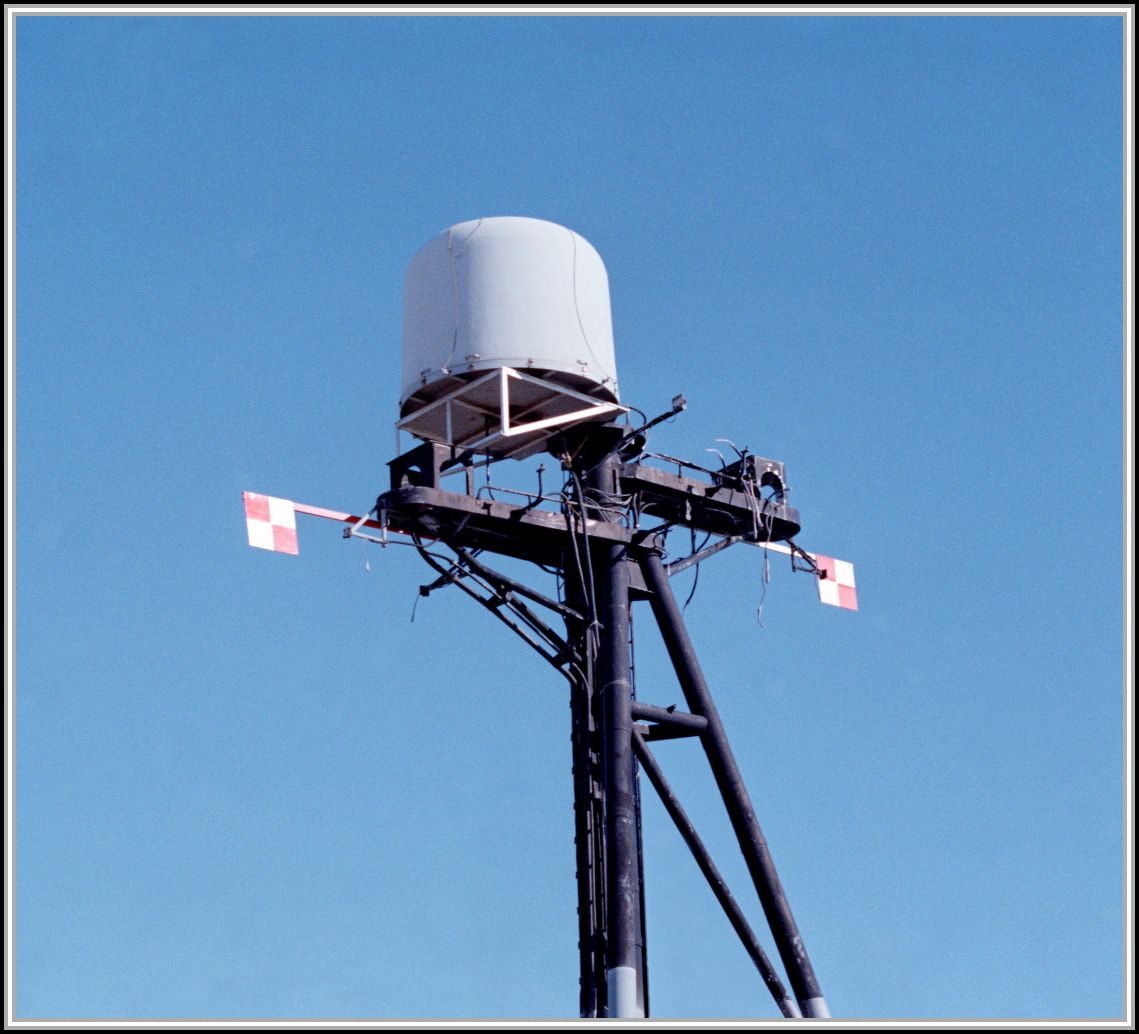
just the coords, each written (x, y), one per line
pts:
(836, 582)
(271, 523)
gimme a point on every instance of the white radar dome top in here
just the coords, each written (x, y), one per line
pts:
(507, 336)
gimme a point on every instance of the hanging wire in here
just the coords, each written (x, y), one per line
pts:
(696, 579)
(585, 585)
(640, 412)
(723, 462)
(692, 591)
(735, 448)
(594, 623)
(762, 519)
(486, 469)
(766, 582)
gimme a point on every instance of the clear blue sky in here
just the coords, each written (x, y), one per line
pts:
(886, 251)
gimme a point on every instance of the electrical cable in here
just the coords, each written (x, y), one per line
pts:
(594, 624)
(568, 510)
(696, 579)
(763, 597)
(692, 592)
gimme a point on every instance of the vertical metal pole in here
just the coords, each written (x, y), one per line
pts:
(613, 689)
(731, 785)
(643, 936)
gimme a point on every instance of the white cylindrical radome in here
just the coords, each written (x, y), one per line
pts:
(511, 292)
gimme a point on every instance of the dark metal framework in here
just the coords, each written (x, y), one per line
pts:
(604, 535)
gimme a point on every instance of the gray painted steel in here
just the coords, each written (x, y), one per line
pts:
(816, 1007)
(624, 1000)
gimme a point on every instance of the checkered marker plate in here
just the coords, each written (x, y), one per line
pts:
(271, 523)
(836, 582)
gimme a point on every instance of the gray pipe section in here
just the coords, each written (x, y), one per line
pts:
(666, 717)
(730, 782)
(735, 915)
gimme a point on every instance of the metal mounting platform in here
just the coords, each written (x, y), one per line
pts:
(473, 523)
(706, 506)
(503, 413)
(531, 533)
